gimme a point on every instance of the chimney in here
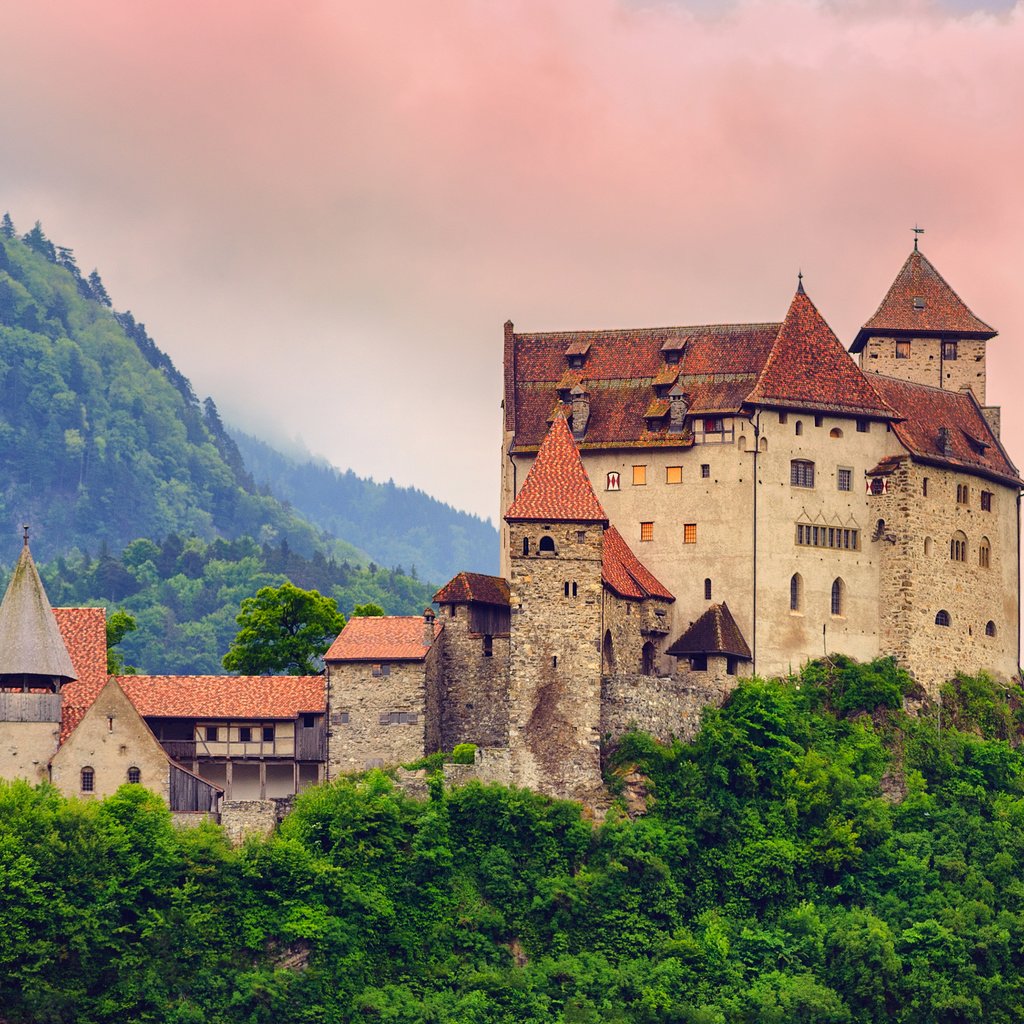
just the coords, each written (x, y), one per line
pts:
(580, 411)
(945, 447)
(428, 627)
(679, 406)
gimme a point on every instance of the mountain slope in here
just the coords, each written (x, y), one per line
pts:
(102, 440)
(396, 525)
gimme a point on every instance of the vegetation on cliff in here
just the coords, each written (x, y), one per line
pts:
(771, 880)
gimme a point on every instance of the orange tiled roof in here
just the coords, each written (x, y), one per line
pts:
(926, 410)
(382, 638)
(85, 635)
(557, 487)
(809, 368)
(939, 310)
(469, 587)
(715, 632)
(225, 696)
(624, 573)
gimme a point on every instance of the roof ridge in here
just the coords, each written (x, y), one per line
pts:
(649, 330)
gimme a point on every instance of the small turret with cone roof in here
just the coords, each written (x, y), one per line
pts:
(33, 655)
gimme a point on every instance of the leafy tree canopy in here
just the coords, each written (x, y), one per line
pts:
(284, 630)
(367, 611)
(119, 625)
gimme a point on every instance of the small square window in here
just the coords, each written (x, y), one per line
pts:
(308, 721)
(268, 734)
(705, 470)
(818, 420)
(863, 426)
(581, 536)
(844, 479)
(713, 425)
(244, 733)
(949, 350)
(673, 474)
(783, 416)
(690, 533)
(639, 476)
(343, 718)
(647, 531)
(902, 349)
(919, 302)
(211, 733)
(380, 670)
(672, 356)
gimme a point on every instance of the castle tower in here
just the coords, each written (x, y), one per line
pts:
(556, 538)
(34, 665)
(923, 332)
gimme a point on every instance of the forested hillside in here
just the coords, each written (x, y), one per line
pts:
(185, 594)
(815, 855)
(397, 525)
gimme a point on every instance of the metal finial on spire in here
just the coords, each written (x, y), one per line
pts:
(25, 528)
(917, 234)
(800, 282)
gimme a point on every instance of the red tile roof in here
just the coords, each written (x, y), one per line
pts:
(625, 574)
(942, 311)
(225, 696)
(557, 487)
(85, 635)
(382, 638)
(809, 368)
(468, 587)
(715, 632)
(926, 410)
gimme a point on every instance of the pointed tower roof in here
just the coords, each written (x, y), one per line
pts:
(557, 488)
(809, 368)
(30, 641)
(921, 302)
(625, 574)
(715, 632)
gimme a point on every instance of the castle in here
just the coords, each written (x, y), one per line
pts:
(681, 507)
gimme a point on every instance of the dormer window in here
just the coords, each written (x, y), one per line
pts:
(918, 302)
(575, 362)
(672, 357)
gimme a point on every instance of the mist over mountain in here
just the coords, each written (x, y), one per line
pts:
(396, 525)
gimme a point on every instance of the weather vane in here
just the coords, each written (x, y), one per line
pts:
(918, 232)
(25, 528)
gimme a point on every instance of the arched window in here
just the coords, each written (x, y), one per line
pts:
(647, 659)
(763, 444)
(958, 547)
(990, 628)
(928, 545)
(134, 775)
(741, 443)
(838, 596)
(608, 653)
(801, 473)
(835, 432)
(546, 545)
(707, 590)
(799, 428)
(942, 618)
(796, 592)
(984, 553)
(88, 780)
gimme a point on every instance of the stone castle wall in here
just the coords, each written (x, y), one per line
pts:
(474, 704)
(920, 579)
(555, 658)
(925, 364)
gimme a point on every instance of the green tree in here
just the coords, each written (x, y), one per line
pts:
(283, 629)
(119, 625)
(367, 611)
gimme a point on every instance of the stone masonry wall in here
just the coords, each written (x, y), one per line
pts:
(362, 741)
(925, 364)
(555, 659)
(624, 635)
(25, 748)
(920, 579)
(474, 704)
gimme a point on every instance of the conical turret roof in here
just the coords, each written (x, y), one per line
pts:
(30, 642)
(557, 488)
(921, 302)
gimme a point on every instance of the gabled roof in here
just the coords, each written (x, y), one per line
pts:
(473, 587)
(808, 368)
(85, 635)
(939, 310)
(225, 696)
(382, 638)
(715, 632)
(625, 574)
(557, 488)
(30, 642)
(926, 410)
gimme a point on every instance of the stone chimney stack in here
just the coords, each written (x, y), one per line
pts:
(580, 410)
(428, 627)
(945, 446)
(679, 406)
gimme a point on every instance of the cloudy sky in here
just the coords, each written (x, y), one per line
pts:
(325, 210)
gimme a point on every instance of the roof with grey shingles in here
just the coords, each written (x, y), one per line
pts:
(715, 632)
(30, 642)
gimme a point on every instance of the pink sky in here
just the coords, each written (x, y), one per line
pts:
(324, 211)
